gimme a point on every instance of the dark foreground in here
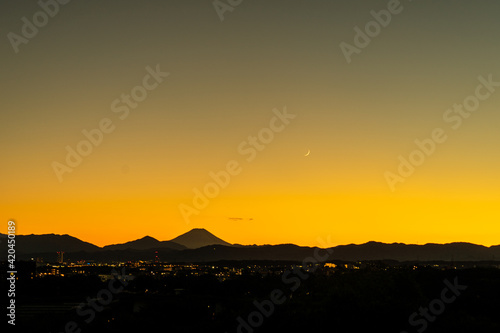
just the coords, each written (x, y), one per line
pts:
(269, 297)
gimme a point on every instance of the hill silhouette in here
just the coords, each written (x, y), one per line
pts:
(51, 243)
(201, 245)
(145, 243)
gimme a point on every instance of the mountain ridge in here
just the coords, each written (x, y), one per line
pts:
(200, 245)
(147, 242)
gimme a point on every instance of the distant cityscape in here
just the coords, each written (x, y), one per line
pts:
(61, 280)
(223, 270)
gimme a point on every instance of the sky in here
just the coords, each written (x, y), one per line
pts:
(200, 114)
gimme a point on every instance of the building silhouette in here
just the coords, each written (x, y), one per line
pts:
(60, 257)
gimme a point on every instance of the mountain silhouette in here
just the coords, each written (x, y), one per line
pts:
(51, 243)
(410, 252)
(200, 245)
(145, 243)
(197, 238)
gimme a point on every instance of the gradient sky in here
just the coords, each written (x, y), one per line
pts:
(226, 77)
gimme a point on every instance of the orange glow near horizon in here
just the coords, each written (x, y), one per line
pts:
(356, 119)
(263, 220)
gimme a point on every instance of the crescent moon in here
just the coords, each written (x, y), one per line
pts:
(308, 152)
